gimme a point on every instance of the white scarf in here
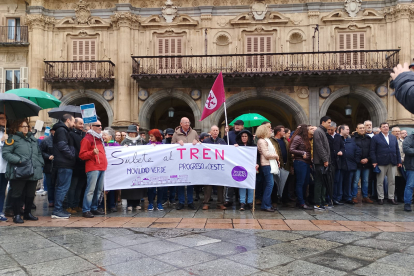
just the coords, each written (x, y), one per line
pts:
(133, 138)
(274, 167)
(97, 135)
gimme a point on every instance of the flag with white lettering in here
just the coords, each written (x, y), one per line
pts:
(215, 99)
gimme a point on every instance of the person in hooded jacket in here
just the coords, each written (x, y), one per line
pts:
(363, 141)
(245, 139)
(20, 146)
(64, 162)
(46, 147)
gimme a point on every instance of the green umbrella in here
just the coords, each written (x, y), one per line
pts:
(42, 99)
(251, 119)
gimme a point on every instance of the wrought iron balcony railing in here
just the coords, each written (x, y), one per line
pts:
(265, 64)
(12, 35)
(97, 70)
(4, 87)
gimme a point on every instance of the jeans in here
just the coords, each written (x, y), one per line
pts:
(3, 186)
(337, 188)
(364, 174)
(168, 193)
(45, 185)
(347, 184)
(63, 179)
(268, 188)
(242, 193)
(93, 190)
(155, 191)
(409, 187)
(48, 181)
(181, 195)
(302, 172)
(74, 194)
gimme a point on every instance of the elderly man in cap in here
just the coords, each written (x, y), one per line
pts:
(231, 136)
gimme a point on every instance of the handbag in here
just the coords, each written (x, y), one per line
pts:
(376, 170)
(24, 169)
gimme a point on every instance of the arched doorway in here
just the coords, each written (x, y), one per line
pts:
(103, 109)
(160, 118)
(277, 107)
(359, 112)
(160, 102)
(363, 98)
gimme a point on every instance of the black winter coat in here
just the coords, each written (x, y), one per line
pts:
(339, 145)
(46, 146)
(364, 142)
(63, 147)
(331, 148)
(351, 155)
(218, 141)
(77, 136)
(404, 90)
(408, 148)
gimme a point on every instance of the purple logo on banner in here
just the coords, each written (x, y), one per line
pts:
(239, 173)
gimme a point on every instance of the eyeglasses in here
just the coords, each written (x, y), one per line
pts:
(97, 125)
(186, 123)
(24, 126)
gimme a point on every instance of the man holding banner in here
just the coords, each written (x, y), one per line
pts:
(185, 134)
(93, 153)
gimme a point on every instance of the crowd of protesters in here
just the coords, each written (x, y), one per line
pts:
(314, 167)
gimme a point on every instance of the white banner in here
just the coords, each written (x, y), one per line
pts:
(174, 165)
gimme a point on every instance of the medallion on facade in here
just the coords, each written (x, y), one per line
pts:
(169, 11)
(259, 9)
(325, 92)
(353, 7)
(195, 94)
(381, 91)
(108, 95)
(302, 92)
(82, 13)
(143, 94)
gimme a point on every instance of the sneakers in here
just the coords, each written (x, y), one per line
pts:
(129, 208)
(407, 207)
(88, 214)
(60, 215)
(305, 207)
(138, 207)
(3, 218)
(71, 211)
(150, 207)
(159, 207)
(318, 207)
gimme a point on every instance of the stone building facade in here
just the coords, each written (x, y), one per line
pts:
(291, 61)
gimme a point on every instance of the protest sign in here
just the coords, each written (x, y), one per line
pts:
(88, 113)
(175, 165)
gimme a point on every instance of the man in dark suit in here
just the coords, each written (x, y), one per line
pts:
(385, 154)
(331, 134)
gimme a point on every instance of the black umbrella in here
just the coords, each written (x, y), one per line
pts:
(58, 112)
(16, 107)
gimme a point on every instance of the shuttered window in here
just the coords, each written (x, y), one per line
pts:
(84, 50)
(352, 42)
(170, 46)
(258, 45)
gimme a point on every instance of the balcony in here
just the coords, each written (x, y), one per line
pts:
(283, 68)
(75, 71)
(14, 36)
(4, 87)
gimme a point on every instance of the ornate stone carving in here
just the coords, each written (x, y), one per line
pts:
(169, 11)
(353, 7)
(12, 9)
(121, 19)
(82, 13)
(222, 22)
(296, 18)
(302, 92)
(400, 11)
(38, 21)
(313, 17)
(259, 9)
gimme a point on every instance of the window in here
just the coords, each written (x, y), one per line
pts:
(351, 42)
(13, 29)
(170, 46)
(84, 50)
(258, 45)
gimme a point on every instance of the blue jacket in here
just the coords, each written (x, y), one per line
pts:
(404, 90)
(351, 155)
(408, 148)
(384, 154)
(232, 137)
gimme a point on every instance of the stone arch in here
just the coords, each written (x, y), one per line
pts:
(77, 94)
(284, 100)
(151, 103)
(372, 102)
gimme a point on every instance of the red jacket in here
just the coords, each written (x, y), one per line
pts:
(91, 159)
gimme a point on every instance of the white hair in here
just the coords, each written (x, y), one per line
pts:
(333, 124)
(367, 122)
(395, 129)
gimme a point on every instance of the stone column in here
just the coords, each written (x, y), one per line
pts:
(314, 115)
(122, 22)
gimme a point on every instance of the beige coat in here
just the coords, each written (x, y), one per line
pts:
(186, 138)
(265, 155)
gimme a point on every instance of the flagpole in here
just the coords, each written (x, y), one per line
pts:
(225, 115)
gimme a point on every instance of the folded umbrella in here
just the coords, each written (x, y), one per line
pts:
(41, 98)
(58, 112)
(16, 107)
(280, 180)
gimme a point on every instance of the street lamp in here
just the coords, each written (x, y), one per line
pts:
(348, 109)
(171, 112)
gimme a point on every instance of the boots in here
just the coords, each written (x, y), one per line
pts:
(15, 203)
(27, 210)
